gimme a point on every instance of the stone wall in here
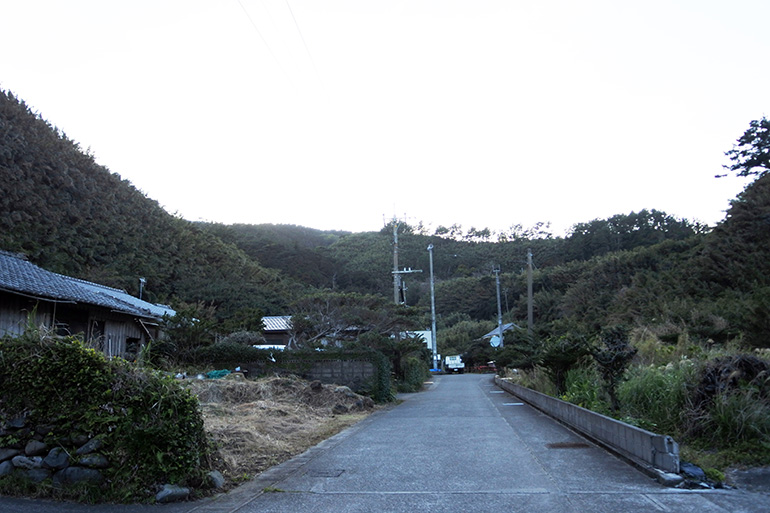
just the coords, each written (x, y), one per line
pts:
(352, 373)
(355, 374)
(75, 458)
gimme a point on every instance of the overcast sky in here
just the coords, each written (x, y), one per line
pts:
(336, 114)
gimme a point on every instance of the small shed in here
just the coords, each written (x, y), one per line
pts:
(107, 318)
(277, 331)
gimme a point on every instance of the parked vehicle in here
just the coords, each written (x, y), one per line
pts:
(454, 364)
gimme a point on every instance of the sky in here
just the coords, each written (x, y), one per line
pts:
(343, 114)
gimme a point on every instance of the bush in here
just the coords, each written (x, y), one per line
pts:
(415, 373)
(738, 417)
(228, 354)
(151, 428)
(656, 396)
(583, 387)
(244, 338)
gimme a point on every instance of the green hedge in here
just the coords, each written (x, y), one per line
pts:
(152, 428)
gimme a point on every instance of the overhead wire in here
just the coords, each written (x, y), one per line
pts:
(264, 41)
(304, 43)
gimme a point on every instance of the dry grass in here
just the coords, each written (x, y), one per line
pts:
(258, 424)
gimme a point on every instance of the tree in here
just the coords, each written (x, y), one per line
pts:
(191, 328)
(752, 150)
(559, 355)
(340, 317)
(613, 356)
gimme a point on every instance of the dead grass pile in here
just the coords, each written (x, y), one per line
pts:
(256, 424)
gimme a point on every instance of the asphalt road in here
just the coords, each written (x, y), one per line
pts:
(462, 445)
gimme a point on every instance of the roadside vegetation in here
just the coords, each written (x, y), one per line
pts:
(715, 401)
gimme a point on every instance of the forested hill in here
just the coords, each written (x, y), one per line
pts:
(70, 215)
(362, 262)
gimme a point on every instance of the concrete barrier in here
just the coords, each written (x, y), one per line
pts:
(639, 445)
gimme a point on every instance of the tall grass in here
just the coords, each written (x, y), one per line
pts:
(655, 397)
(738, 417)
(585, 388)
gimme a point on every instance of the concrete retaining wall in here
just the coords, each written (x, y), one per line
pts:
(352, 373)
(639, 445)
(355, 374)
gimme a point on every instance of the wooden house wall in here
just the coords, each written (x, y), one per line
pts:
(15, 311)
(102, 329)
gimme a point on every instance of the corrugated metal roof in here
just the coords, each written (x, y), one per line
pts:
(506, 327)
(277, 322)
(19, 275)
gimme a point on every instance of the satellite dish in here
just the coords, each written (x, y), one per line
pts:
(494, 341)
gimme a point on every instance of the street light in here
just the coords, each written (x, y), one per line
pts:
(499, 307)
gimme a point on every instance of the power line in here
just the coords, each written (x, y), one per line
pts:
(304, 43)
(256, 29)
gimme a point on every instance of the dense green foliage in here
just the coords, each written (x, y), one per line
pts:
(151, 428)
(751, 153)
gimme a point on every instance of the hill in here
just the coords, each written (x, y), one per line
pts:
(73, 216)
(70, 215)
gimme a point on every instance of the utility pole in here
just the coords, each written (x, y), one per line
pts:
(398, 287)
(396, 276)
(499, 307)
(530, 316)
(402, 285)
(433, 310)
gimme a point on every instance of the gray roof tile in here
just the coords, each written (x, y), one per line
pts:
(19, 275)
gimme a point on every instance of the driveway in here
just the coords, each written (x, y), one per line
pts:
(462, 445)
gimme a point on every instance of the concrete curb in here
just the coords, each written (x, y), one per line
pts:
(659, 454)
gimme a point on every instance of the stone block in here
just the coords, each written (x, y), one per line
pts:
(172, 493)
(27, 462)
(75, 475)
(6, 468)
(92, 445)
(7, 453)
(56, 459)
(35, 448)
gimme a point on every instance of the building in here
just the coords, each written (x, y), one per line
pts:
(277, 331)
(108, 319)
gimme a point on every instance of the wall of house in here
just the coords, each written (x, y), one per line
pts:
(102, 329)
(14, 312)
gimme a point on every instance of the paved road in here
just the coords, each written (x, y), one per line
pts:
(463, 445)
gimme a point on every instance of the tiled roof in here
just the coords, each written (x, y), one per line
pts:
(21, 276)
(277, 322)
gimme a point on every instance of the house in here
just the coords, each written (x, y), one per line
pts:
(277, 330)
(494, 335)
(108, 319)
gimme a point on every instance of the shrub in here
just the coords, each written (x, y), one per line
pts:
(583, 387)
(738, 417)
(613, 356)
(415, 373)
(657, 395)
(244, 338)
(151, 428)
